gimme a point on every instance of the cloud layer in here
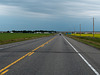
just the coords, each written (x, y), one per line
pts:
(52, 8)
(49, 14)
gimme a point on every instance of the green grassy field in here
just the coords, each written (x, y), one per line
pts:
(87, 39)
(88, 35)
(15, 37)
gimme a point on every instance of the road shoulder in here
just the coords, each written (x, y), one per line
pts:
(92, 55)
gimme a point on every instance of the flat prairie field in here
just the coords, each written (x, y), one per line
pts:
(87, 39)
(15, 37)
(88, 35)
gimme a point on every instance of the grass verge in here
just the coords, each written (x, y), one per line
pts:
(94, 42)
(6, 38)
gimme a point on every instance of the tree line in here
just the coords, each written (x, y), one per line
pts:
(29, 31)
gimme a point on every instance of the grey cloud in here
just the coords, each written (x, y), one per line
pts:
(55, 7)
(43, 6)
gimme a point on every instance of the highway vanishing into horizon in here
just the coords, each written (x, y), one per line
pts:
(54, 55)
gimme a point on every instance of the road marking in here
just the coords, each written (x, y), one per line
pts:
(31, 53)
(42, 45)
(4, 72)
(14, 62)
(46, 42)
(93, 69)
(28, 54)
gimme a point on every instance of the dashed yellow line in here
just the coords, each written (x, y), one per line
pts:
(28, 54)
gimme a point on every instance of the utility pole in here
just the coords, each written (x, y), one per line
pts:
(93, 26)
(74, 30)
(80, 29)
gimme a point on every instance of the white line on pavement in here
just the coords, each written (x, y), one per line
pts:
(93, 69)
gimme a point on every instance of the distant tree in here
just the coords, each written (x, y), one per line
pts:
(8, 31)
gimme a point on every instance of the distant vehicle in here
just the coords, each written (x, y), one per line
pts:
(60, 34)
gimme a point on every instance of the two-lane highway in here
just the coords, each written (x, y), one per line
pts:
(56, 55)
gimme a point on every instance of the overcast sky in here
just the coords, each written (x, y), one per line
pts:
(59, 15)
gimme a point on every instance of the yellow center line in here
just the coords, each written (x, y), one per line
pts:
(31, 53)
(14, 62)
(28, 54)
(42, 45)
(4, 72)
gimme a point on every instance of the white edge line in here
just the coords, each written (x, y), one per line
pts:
(93, 69)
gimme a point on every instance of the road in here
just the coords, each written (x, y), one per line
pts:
(54, 55)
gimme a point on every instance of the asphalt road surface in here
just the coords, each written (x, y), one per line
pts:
(54, 55)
